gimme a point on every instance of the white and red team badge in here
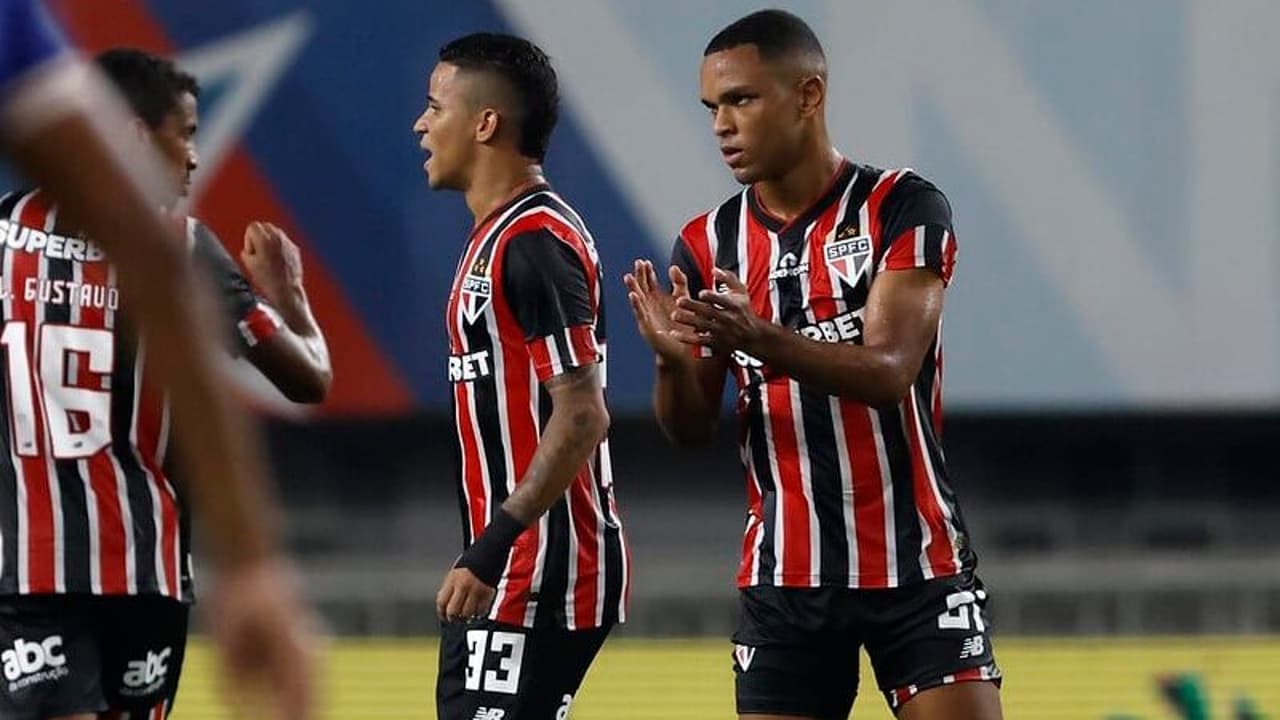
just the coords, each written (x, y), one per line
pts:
(476, 290)
(848, 259)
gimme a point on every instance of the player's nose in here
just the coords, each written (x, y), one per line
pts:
(420, 125)
(722, 123)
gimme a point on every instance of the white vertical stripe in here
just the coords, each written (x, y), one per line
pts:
(846, 489)
(806, 484)
(771, 448)
(574, 360)
(570, 607)
(86, 475)
(553, 352)
(919, 246)
(598, 511)
(55, 492)
(23, 509)
(157, 516)
(91, 511)
(886, 491)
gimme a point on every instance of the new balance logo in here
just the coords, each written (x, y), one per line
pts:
(485, 713)
(744, 655)
(30, 663)
(789, 266)
(973, 647)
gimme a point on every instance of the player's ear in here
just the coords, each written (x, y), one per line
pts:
(142, 133)
(487, 125)
(813, 93)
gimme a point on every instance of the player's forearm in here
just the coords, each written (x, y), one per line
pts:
(685, 413)
(875, 376)
(571, 435)
(297, 315)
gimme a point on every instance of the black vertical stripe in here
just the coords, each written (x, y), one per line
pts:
(727, 228)
(72, 499)
(856, 297)
(925, 381)
(611, 556)
(123, 387)
(8, 473)
(828, 489)
(909, 537)
(933, 246)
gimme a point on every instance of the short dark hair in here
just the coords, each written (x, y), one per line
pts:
(776, 33)
(152, 85)
(528, 72)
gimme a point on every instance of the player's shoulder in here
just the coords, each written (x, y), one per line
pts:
(546, 214)
(696, 226)
(899, 184)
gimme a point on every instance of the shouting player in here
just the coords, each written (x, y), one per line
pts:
(62, 126)
(820, 287)
(544, 575)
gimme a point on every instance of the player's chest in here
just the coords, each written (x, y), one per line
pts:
(473, 291)
(814, 280)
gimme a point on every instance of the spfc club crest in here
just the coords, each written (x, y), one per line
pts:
(847, 260)
(474, 297)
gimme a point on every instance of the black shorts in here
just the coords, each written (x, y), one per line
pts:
(493, 671)
(69, 654)
(796, 649)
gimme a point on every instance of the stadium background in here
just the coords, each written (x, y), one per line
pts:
(1112, 339)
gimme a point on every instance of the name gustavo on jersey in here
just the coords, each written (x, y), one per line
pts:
(65, 292)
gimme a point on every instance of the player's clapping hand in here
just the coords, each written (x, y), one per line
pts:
(273, 261)
(463, 596)
(721, 319)
(652, 306)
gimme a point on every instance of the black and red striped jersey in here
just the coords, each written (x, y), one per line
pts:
(839, 493)
(527, 305)
(87, 503)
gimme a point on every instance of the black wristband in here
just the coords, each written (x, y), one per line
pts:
(487, 556)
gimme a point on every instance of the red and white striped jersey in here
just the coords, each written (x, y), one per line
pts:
(839, 493)
(87, 504)
(527, 305)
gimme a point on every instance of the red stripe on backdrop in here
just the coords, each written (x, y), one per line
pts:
(366, 382)
(102, 472)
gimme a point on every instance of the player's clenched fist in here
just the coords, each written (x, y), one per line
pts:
(272, 259)
(463, 596)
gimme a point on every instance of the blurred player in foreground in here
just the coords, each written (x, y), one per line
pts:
(64, 128)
